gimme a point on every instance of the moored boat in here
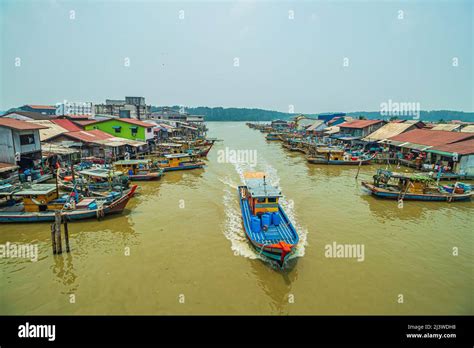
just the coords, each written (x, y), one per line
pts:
(266, 225)
(401, 186)
(40, 202)
(272, 136)
(335, 156)
(138, 170)
(180, 161)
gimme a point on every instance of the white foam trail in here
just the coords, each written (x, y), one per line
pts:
(233, 229)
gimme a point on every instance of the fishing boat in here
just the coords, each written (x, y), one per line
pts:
(336, 156)
(138, 170)
(180, 161)
(265, 223)
(272, 136)
(405, 186)
(39, 202)
(95, 180)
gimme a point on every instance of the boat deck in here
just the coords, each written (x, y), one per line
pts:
(275, 234)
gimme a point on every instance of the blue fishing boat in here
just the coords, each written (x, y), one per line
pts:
(272, 136)
(418, 187)
(265, 223)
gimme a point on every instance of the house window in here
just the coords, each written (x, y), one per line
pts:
(272, 200)
(27, 139)
(134, 130)
(148, 130)
(117, 129)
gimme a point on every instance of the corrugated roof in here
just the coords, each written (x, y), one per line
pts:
(30, 114)
(130, 121)
(388, 130)
(88, 136)
(468, 129)
(431, 137)
(42, 107)
(315, 125)
(51, 129)
(465, 147)
(446, 127)
(359, 123)
(67, 124)
(332, 130)
(18, 125)
(53, 148)
(83, 123)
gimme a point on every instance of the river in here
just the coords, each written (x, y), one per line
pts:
(179, 248)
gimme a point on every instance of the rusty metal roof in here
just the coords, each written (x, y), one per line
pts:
(431, 137)
(359, 123)
(18, 125)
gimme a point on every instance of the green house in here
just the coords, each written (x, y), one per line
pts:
(124, 128)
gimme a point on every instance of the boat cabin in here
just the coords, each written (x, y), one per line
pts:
(133, 167)
(409, 183)
(174, 160)
(39, 197)
(332, 154)
(261, 195)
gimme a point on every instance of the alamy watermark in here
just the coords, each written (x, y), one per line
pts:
(395, 109)
(347, 251)
(24, 251)
(237, 156)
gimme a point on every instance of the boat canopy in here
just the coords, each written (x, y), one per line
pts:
(37, 189)
(178, 155)
(258, 187)
(100, 173)
(131, 162)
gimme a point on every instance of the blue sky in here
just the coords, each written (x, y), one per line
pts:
(404, 56)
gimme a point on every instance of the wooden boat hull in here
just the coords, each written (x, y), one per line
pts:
(145, 177)
(338, 162)
(284, 238)
(438, 197)
(115, 207)
(187, 167)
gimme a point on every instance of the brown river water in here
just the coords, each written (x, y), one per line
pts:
(179, 248)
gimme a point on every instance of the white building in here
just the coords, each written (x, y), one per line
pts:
(72, 108)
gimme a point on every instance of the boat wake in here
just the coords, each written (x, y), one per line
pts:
(233, 229)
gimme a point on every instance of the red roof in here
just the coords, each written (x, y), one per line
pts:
(83, 123)
(42, 107)
(19, 125)
(66, 124)
(464, 147)
(130, 121)
(431, 137)
(359, 123)
(88, 136)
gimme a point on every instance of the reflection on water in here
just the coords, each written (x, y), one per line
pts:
(63, 269)
(184, 235)
(276, 283)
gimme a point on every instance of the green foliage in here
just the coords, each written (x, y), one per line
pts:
(246, 114)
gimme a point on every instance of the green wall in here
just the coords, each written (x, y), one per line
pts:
(125, 131)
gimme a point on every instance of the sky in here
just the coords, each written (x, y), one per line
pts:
(290, 56)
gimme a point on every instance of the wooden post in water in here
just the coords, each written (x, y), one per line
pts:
(59, 219)
(66, 232)
(358, 169)
(53, 237)
(57, 232)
